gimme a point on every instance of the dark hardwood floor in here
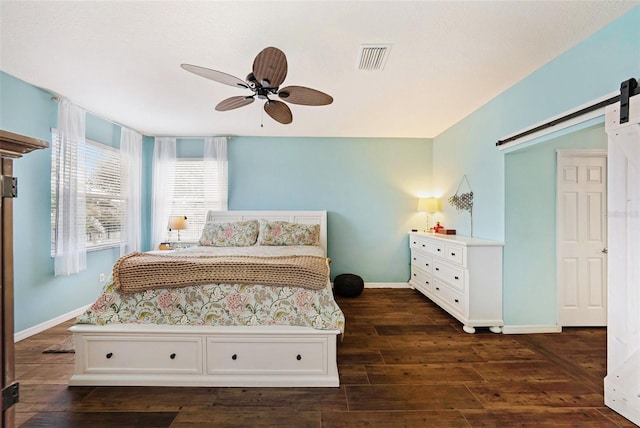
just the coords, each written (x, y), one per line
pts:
(403, 363)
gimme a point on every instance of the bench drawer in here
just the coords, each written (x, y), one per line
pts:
(229, 356)
(142, 355)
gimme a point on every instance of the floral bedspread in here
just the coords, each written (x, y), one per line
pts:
(219, 304)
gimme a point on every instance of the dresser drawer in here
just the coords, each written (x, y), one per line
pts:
(453, 299)
(451, 275)
(454, 254)
(425, 244)
(420, 279)
(142, 355)
(245, 356)
(436, 248)
(421, 261)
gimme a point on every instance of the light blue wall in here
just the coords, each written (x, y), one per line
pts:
(530, 225)
(147, 180)
(590, 70)
(369, 187)
(39, 296)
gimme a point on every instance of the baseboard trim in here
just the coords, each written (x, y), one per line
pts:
(386, 285)
(531, 329)
(31, 331)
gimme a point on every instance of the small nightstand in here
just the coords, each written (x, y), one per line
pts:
(174, 245)
(161, 252)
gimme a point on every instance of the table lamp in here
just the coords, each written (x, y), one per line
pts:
(178, 222)
(428, 206)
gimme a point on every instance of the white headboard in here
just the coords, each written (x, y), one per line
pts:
(302, 217)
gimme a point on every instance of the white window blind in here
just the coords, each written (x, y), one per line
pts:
(104, 193)
(191, 198)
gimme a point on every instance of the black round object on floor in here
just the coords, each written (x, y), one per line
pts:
(348, 285)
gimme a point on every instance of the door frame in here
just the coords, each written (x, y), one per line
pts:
(6, 293)
(565, 153)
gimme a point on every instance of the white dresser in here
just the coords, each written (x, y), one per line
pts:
(462, 275)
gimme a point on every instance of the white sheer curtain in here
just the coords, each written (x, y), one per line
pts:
(216, 171)
(131, 167)
(70, 254)
(164, 164)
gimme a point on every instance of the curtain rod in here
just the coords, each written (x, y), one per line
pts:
(192, 137)
(628, 88)
(57, 98)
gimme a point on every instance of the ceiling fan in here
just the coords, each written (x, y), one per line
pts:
(269, 71)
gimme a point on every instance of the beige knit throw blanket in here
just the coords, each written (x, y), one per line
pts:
(140, 271)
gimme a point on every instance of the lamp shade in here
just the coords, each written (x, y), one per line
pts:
(428, 205)
(177, 222)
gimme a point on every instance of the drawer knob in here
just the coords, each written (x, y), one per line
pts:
(234, 357)
(172, 356)
(109, 355)
(438, 249)
(414, 274)
(456, 277)
(438, 288)
(453, 254)
(423, 245)
(457, 301)
(426, 282)
(437, 268)
(298, 357)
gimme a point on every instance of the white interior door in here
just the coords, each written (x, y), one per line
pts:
(582, 237)
(622, 383)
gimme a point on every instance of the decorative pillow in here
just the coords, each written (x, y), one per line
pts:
(237, 234)
(285, 233)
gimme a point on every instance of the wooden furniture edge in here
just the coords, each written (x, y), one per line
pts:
(14, 145)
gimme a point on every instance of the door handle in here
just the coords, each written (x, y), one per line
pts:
(605, 250)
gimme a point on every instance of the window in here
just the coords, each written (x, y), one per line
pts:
(104, 193)
(192, 198)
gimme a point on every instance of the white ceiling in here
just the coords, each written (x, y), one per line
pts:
(121, 59)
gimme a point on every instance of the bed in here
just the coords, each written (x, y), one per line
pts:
(217, 332)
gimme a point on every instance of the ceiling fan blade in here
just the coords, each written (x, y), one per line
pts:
(218, 76)
(304, 96)
(270, 67)
(234, 102)
(279, 111)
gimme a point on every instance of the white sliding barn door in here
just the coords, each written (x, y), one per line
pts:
(622, 383)
(582, 237)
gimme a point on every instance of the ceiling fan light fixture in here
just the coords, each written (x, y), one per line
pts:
(269, 72)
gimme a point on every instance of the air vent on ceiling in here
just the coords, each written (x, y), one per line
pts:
(373, 57)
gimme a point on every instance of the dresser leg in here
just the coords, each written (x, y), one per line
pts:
(468, 329)
(495, 329)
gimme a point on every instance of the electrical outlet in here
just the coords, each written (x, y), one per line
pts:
(103, 277)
